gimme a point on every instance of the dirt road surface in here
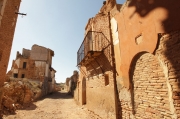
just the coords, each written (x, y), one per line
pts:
(58, 105)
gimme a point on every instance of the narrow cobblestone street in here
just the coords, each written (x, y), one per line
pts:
(58, 105)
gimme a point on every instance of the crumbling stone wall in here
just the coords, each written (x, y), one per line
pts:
(154, 74)
(39, 53)
(26, 52)
(100, 97)
(99, 73)
(80, 91)
(37, 67)
(97, 77)
(71, 83)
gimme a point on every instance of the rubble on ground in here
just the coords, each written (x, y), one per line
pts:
(18, 93)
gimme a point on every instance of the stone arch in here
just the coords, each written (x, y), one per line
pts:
(148, 88)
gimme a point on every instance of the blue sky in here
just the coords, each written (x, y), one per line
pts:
(55, 24)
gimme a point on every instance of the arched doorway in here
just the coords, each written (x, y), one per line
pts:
(149, 90)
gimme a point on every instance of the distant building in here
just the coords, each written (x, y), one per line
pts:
(35, 64)
(71, 83)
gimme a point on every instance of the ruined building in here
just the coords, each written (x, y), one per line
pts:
(71, 83)
(129, 60)
(8, 18)
(35, 64)
(96, 65)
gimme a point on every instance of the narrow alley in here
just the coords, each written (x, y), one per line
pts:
(58, 105)
(110, 59)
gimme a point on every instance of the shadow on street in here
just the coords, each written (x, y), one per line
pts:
(57, 95)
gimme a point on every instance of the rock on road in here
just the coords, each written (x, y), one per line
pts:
(58, 105)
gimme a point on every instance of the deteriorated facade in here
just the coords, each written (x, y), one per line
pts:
(149, 41)
(71, 83)
(145, 37)
(7, 27)
(35, 64)
(95, 61)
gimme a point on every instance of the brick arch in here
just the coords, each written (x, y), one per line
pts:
(149, 88)
(131, 73)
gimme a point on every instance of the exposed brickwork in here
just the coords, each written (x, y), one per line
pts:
(100, 23)
(27, 65)
(168, 54)
(150, 89)
(98, 73)
(155, 82)
(125, 104)
(7, 29)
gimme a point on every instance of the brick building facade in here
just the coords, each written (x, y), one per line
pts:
(149, 74)
(96, 81)
(145, 38)
(7, 27)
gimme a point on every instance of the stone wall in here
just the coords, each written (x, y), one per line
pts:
(80, 91)
(38, 67)
(98, 77)
(39, 53)
(148, 82)
(26, 52)
(31, 69)
(96, 83)
(22, 70)
(139, 24)
(147, 55)
(100, 95)
(154, 82)
(43, 62)
(168, 55)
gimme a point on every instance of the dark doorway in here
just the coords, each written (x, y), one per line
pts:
(15, 75)
(106, 79)
(84, 91)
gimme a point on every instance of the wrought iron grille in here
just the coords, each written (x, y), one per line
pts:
(93, 41)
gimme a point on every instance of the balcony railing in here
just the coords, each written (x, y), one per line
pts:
(94, 43)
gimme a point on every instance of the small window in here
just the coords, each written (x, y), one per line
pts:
(24, 65)
(15, 75)
(106, 79)
(23, 76)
